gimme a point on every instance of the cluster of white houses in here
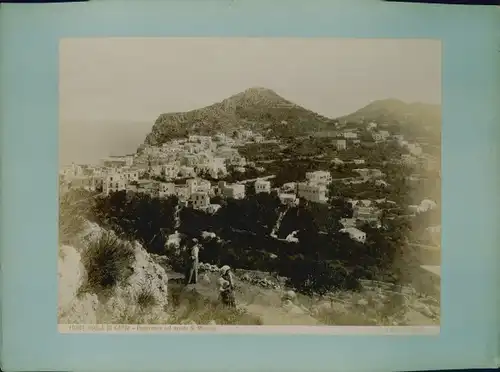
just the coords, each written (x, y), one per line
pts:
(182, 158)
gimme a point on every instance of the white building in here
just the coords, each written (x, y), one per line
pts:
(189, 160)
(182, 192)
(187, 172)
(156, 170)
(363, 172)
(348, 222)
(426, 205)
(235, 191)
(376, 173)
(118, 161)
(200, 200)
(238, 161)
(227, 152)
(258, 138)
(213, 208)
(220, 138)
(371, 126)
(408, 160)
(262, 186)
(166, 189)
(355, 234)
(131, 175)
(385, 134)
(312, 191)
(198, 185)
(288, 199)
(341, 144)
(73, 170)
(112, 183)
(366, 213)
(289, 187)
(203, 186)
(323, 177)
(414, 149)
(246, 134)
(337, 161)
(171, 170)
(359, 161)
(192, 184)
(398, 137)
(350, 135)
(82, 182)
(205, 140)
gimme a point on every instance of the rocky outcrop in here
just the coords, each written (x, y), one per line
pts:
(142, 298)
(74, 307)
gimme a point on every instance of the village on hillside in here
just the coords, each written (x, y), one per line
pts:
(196, 170)
(248, 198)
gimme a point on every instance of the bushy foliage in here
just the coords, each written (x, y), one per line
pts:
(107, 261)
(323, 259)
(138, 216)
(145, 298)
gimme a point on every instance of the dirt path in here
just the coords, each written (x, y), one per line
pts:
(263, 303)
(280, 316)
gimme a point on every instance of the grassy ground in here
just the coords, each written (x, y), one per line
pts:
(188, 305)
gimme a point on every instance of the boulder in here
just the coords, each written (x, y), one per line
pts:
(205, 279)
(289, 295)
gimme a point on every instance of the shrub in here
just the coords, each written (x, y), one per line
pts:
(145, 298)
(108, 261)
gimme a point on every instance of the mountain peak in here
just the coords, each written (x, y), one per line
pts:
(257, 108)
(256, 96)
(259, 90)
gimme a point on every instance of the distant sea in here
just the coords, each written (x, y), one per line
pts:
(89, 142)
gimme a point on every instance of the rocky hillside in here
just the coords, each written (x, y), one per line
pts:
(139, 288)
(139, 295)
(259, 109)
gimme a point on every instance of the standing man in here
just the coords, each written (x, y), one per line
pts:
(193, 263)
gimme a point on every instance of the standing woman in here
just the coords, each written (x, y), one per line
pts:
(226, 288)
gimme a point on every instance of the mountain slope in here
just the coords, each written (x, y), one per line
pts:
(418, 119)
(257, 108)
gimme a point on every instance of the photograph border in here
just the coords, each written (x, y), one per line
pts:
(29, 71)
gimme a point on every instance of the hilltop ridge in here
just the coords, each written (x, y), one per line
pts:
(263, 110)
(396, 112)
(257, 108)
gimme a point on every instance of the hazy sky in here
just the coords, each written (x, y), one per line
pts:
(112, 90)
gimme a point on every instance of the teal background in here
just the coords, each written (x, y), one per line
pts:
(29, 152)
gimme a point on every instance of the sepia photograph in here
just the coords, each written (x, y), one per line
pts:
(249, 182)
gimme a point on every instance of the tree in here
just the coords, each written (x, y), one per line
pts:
(249, 189)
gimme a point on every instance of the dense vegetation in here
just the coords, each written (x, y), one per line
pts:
(323, 259)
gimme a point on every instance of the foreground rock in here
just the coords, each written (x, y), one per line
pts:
(142, 298)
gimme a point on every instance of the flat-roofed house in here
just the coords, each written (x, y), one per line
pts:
(312, 191)
(262, 186)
